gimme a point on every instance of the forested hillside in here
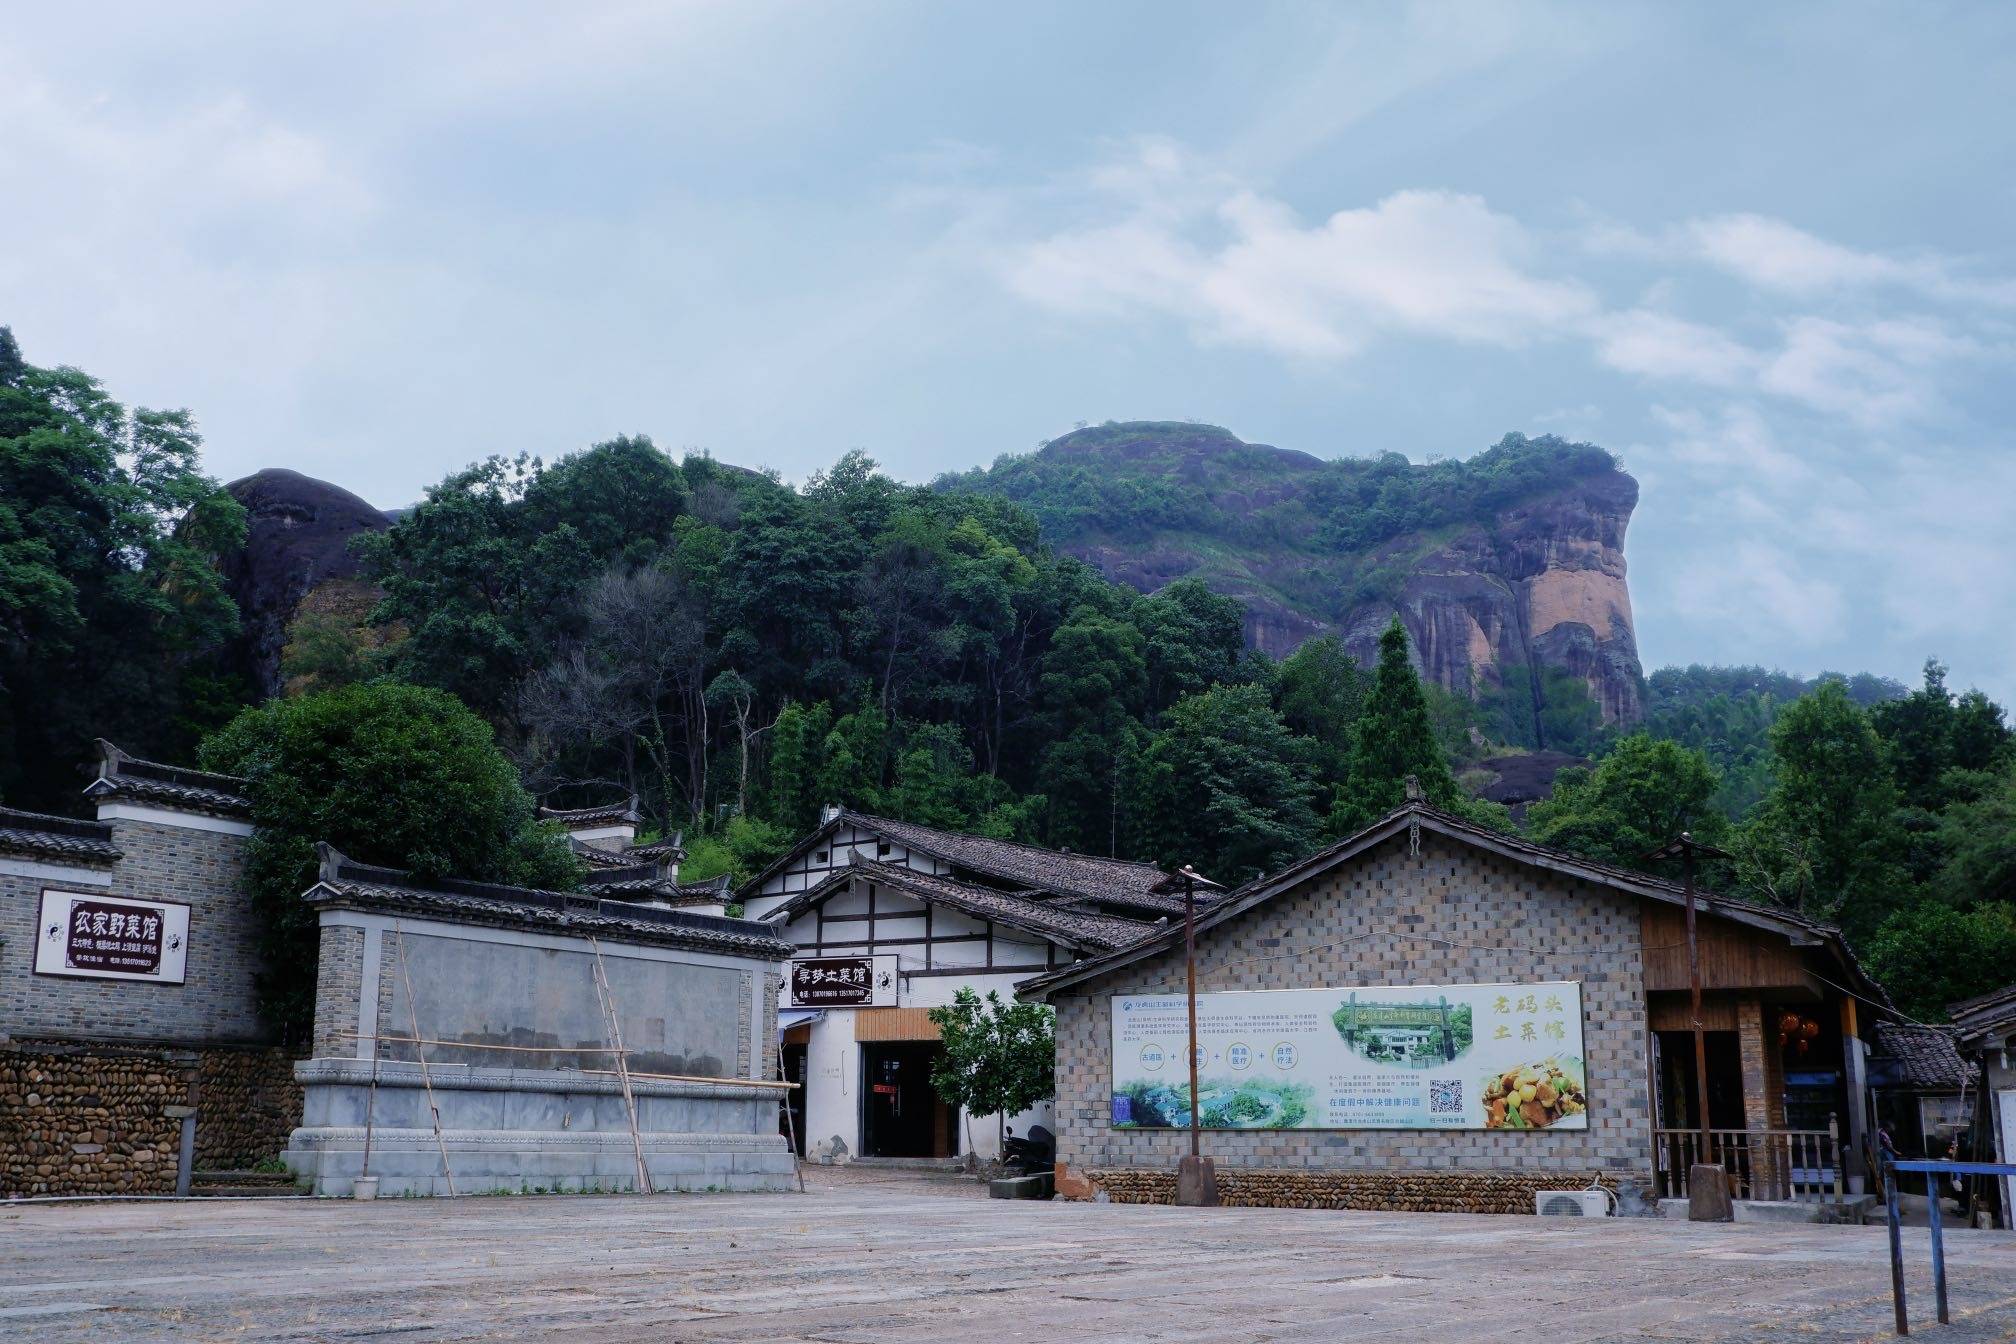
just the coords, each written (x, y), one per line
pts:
(737, 651)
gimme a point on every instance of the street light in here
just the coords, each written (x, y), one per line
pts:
(1196, 1179)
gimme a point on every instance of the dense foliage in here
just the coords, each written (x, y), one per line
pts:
(110, 600)
(389, 774)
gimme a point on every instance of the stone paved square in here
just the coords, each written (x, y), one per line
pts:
(885, 1258)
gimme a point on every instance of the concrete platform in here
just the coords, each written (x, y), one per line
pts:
(894, 1261)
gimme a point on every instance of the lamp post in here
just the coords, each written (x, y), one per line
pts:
(1196, 1179)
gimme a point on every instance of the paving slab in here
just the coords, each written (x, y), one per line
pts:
(896, 1257)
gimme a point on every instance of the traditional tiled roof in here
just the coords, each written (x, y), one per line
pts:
(713, 891)
(673, 846)
(603, 854)
(634, 882)
(607, 814)
(1026, 910)
(1986, 1018)
(1419, 816)
(47, 837)
(1124, 883)
(1923, 1058)
(346, 883)
(174, 787)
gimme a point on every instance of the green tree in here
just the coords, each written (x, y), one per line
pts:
(1931, 955)
(110, 598)
(390, 774)
(1320, 690)
(999, 1058)
(1395, 739)
(1223, 785)
(797, 759)
(741, 849)
(1825, 840)
(1192, 639)
(1093, 686)
(1977, 839)
(1637, 798)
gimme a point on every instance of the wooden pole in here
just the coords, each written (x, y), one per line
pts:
(1896, 1248)
(420, 1053)
(608, 997)
(1190, 976)
(1694, 992)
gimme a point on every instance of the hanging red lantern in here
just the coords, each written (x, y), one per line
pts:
(1810, 1030)
(1783, 1039)
(1803, 1045)
(1789, 1023)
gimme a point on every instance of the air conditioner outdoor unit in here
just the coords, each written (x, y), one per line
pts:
(1591, 1203)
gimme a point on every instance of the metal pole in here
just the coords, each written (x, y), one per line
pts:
(1938, 1245)
(1694, 992)
(1896, 1248)
(1190, 974)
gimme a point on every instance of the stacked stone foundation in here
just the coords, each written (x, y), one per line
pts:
(1367, 1191)
(78, 1120)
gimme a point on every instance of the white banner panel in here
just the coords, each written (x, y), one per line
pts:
(100, 937)
(1427, 1057)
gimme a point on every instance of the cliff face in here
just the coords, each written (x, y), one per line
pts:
(1541, 586)
(1500, 568)
(298, 538)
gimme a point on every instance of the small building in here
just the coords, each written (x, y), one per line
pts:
(887, 920)
(1920, 1090)
(477, 1038)
(128, 974)
(1434, 1015)
(605, 838)
(1984, 1030)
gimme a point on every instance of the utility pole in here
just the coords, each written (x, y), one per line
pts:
(1686, 848)
(1196, 1178)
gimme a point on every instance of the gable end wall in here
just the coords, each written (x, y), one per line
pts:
(1365, 924)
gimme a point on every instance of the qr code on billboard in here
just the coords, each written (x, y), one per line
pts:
(1445, 1096)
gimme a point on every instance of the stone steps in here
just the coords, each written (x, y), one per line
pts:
(242, 1184)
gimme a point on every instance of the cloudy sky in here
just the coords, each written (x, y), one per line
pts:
(1764, 253)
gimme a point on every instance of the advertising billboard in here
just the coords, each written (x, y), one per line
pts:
(1506, 1057)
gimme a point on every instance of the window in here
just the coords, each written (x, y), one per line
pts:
(882, 849)
(820, 857)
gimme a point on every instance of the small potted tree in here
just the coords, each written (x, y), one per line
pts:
(1000, 1058)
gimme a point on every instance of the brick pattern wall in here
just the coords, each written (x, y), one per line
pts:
(745, 1030)
(339, 990)
(1368, 924)
(200, 869)
(1414, 1192)
(773, 985)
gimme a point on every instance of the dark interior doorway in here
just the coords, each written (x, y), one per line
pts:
(794, 1072)
(1678, 1101)
(901, 1115)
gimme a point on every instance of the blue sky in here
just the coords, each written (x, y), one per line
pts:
(1763, 252)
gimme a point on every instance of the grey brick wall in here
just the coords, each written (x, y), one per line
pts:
(339, 989)
(1368, 924)
(200, 869)
(773, 985)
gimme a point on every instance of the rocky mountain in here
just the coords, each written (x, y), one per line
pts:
(1506, 568)
(298, 541)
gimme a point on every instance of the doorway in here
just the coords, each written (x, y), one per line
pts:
(1678, 1102)
(794, 1072)
(901, 1115)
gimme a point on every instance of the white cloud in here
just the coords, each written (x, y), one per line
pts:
(1659, 345)
(1757, 582)
(1248, 271)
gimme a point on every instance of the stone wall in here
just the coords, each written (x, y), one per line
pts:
(247, 1103)
(200, 868)
(78, 1123)
(1451, 915)
(1415, 1192)
(87, 1120)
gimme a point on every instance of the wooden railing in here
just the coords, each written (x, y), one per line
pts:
(1774, 1164)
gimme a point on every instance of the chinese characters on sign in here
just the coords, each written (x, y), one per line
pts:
(1417, 1057)
(111, 938)
(842, 982)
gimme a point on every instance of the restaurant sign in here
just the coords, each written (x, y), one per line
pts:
(1501, 1057)
(111, 938)
(842, 982)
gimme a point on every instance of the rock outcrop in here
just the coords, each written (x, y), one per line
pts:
(298, 539)
(1542, 586)
(1496, 578)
